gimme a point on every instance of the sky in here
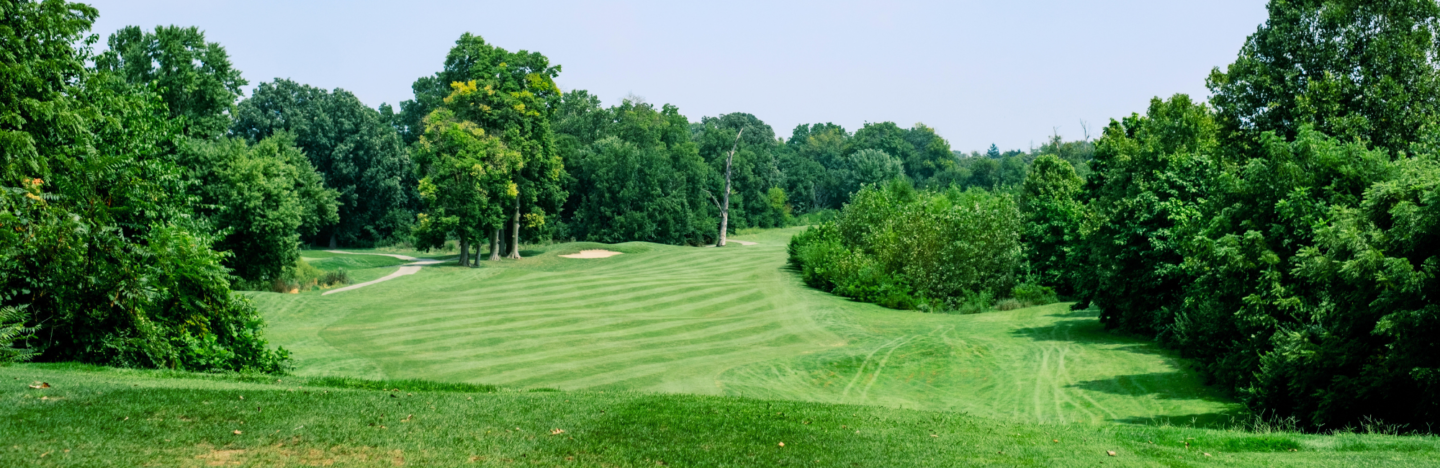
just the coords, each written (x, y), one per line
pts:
(978, 72)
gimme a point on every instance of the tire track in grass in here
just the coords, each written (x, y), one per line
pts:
(881, 366)
(861, 371)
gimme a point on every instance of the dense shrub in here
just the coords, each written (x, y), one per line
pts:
(12, 330)
(908, 249)
(98, 236)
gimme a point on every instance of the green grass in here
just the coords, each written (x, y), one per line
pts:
(728, 321)
(675, 355)
(109, 417)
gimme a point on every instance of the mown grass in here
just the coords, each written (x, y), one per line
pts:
(104, 417)
(726, 321)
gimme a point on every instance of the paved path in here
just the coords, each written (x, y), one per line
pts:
(407, 269)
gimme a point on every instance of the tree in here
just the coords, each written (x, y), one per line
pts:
(754, 166)
(867, 167)
(194, 77)
(812, 165)
(513, 96)
(89, 168)
(1150, 174)
(645, 181)
(1351, 69)
(360, 154)
(261, 199)
(724, 206)
(1053, 219)
(466, 184)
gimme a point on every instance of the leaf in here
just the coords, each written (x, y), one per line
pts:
(39, 385)
(237, 432)
(557, 431)
(1110, 452)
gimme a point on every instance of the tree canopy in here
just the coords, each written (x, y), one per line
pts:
(353, 146)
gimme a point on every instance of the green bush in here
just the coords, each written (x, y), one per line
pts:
(13, 330)
(907, 249)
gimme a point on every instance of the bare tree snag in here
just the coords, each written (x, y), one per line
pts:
(725, 208)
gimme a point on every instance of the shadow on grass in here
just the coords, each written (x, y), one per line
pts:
(1086, 328)
(1217, 420)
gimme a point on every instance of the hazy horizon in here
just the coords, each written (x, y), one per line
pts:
(979, 73)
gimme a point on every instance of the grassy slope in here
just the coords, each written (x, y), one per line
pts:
(728, 321)
(106, 417)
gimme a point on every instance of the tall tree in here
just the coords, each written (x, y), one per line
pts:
(643, 182)
(261, 199)
(513, 96)
(194, 77)
(467, 182)
(754, 167)
(99, 240)
(1150, 175)
(1352, 69)
(1053, 219)
(360, 154)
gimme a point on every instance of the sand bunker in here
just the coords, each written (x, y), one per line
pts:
(595, 253)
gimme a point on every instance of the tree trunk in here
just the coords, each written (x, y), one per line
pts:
(332, 240)
(515, 232)
(495, 246)
(725, 208)
(464, 252)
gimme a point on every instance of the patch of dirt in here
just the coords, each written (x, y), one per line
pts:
(593, 253)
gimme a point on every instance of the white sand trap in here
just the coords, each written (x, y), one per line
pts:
(593, 253)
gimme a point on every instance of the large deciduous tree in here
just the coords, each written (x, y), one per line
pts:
(1149, 177)
(644, 182)
(261, 199)
(97, 238)
(466, 182)
(511, 95)
(194, 77)
(1053, 219)
(360, 154)
(1350, 69)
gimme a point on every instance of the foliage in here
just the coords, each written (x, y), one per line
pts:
(357, 150)
(1148, 179)
(922, 153)
(905, 249)
(867, 167)
(1351, 69)
(13, 330)
(261, 199)
(1053, 218)
(194, 77)
(755, 168)
(645, 182)
(98, 235)
(511, 95)
(467, 180)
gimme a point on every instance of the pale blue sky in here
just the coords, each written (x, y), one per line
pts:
(978, 72)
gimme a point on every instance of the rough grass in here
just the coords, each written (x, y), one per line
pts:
(105, 417)
(727, 321)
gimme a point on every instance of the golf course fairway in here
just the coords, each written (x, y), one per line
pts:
(722, 321)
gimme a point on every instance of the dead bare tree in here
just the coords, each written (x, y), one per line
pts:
(725, 208)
